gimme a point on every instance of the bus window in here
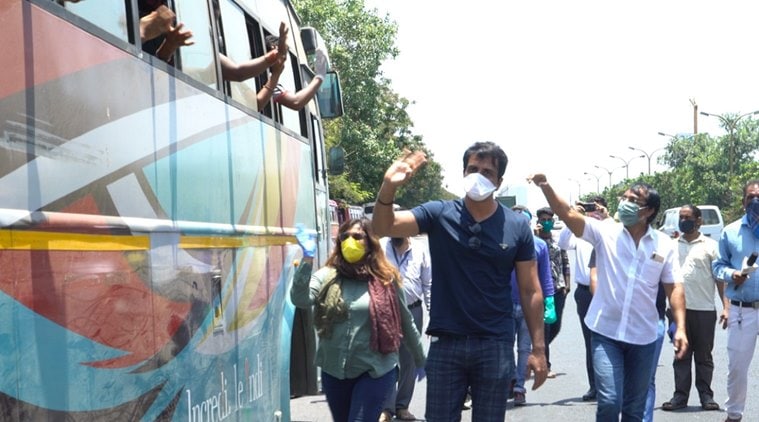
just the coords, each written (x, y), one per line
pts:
(107, 14)
(237, 46)
(197, 60)
(290, 118)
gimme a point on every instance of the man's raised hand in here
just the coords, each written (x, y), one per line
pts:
(404, 167)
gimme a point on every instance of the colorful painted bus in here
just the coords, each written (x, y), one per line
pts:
(147, 212)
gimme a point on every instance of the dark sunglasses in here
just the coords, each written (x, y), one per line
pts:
(355, 235)
(474, 241)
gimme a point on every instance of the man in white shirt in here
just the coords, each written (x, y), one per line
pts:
(412, 259)
(583, 295)
(632, 260)
(696, 253)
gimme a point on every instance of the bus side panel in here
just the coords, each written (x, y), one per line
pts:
(145, 265)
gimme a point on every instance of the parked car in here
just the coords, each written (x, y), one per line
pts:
(711, 226)
(369, 209)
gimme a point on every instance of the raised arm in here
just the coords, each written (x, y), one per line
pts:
(571, 217)
(385, 221)
(238, 72)
(265, 93)
(298, 100)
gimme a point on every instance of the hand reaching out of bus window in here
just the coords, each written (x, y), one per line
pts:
(282, 45)
(156, 23)
(404, 167)
(175, 38)
(322, 63)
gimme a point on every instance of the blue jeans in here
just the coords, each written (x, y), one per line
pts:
(524, 347)
(623, 373)
(358, 399)
(651, 396)
(455, 363)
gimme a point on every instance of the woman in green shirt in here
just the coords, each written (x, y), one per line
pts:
(361, 318)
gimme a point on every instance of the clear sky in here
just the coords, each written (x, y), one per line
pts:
(562, 85)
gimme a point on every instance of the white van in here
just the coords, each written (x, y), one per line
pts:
(369, 209)
(710, 214)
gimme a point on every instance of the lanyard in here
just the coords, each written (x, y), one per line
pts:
(403, 259)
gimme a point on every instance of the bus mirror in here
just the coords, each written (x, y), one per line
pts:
(311, 40)
(336, 162)
(330, 96)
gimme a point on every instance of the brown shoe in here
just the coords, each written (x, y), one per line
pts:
(404, 415)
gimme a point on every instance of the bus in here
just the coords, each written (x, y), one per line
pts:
(340, 212)
(147, 213)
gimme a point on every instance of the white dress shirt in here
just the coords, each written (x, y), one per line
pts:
(583, 249)
(415, 269)
(624, 304)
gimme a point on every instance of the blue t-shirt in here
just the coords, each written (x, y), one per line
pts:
(471, 289)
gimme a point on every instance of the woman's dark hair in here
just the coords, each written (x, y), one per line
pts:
(488, 149)
(374, 263)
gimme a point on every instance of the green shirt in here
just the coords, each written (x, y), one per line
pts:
(347, 354)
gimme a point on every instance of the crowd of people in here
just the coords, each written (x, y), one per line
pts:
(490, 281)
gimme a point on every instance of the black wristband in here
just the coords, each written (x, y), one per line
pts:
(384, 203)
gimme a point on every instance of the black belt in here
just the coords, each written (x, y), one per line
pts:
(754, 305)
(581, 286)
(415, 304)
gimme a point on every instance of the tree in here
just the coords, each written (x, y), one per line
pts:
(376, 126)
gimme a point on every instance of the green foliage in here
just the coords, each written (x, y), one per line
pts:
(700, 170)
(376, 127)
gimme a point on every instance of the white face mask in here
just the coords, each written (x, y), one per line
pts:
(478, 187)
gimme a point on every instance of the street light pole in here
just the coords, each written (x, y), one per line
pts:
(598, 181)
(579, 189)
(607, 171)
(627, 163)
(650, 155)
(731, 123)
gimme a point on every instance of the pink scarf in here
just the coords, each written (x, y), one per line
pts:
(384, 316)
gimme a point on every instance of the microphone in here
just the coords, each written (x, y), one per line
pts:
(749, 263)
(752, 259)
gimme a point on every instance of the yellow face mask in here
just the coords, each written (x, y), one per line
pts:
(352, 250)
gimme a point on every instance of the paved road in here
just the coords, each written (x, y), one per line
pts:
(560, 397)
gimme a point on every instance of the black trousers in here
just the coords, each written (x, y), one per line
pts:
(582, 298)
(699, 327)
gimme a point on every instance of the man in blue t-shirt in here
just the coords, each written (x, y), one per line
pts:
(475, 243)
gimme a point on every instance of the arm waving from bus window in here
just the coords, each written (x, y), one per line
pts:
(298, 100)
(175, 38)
(238, 72)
